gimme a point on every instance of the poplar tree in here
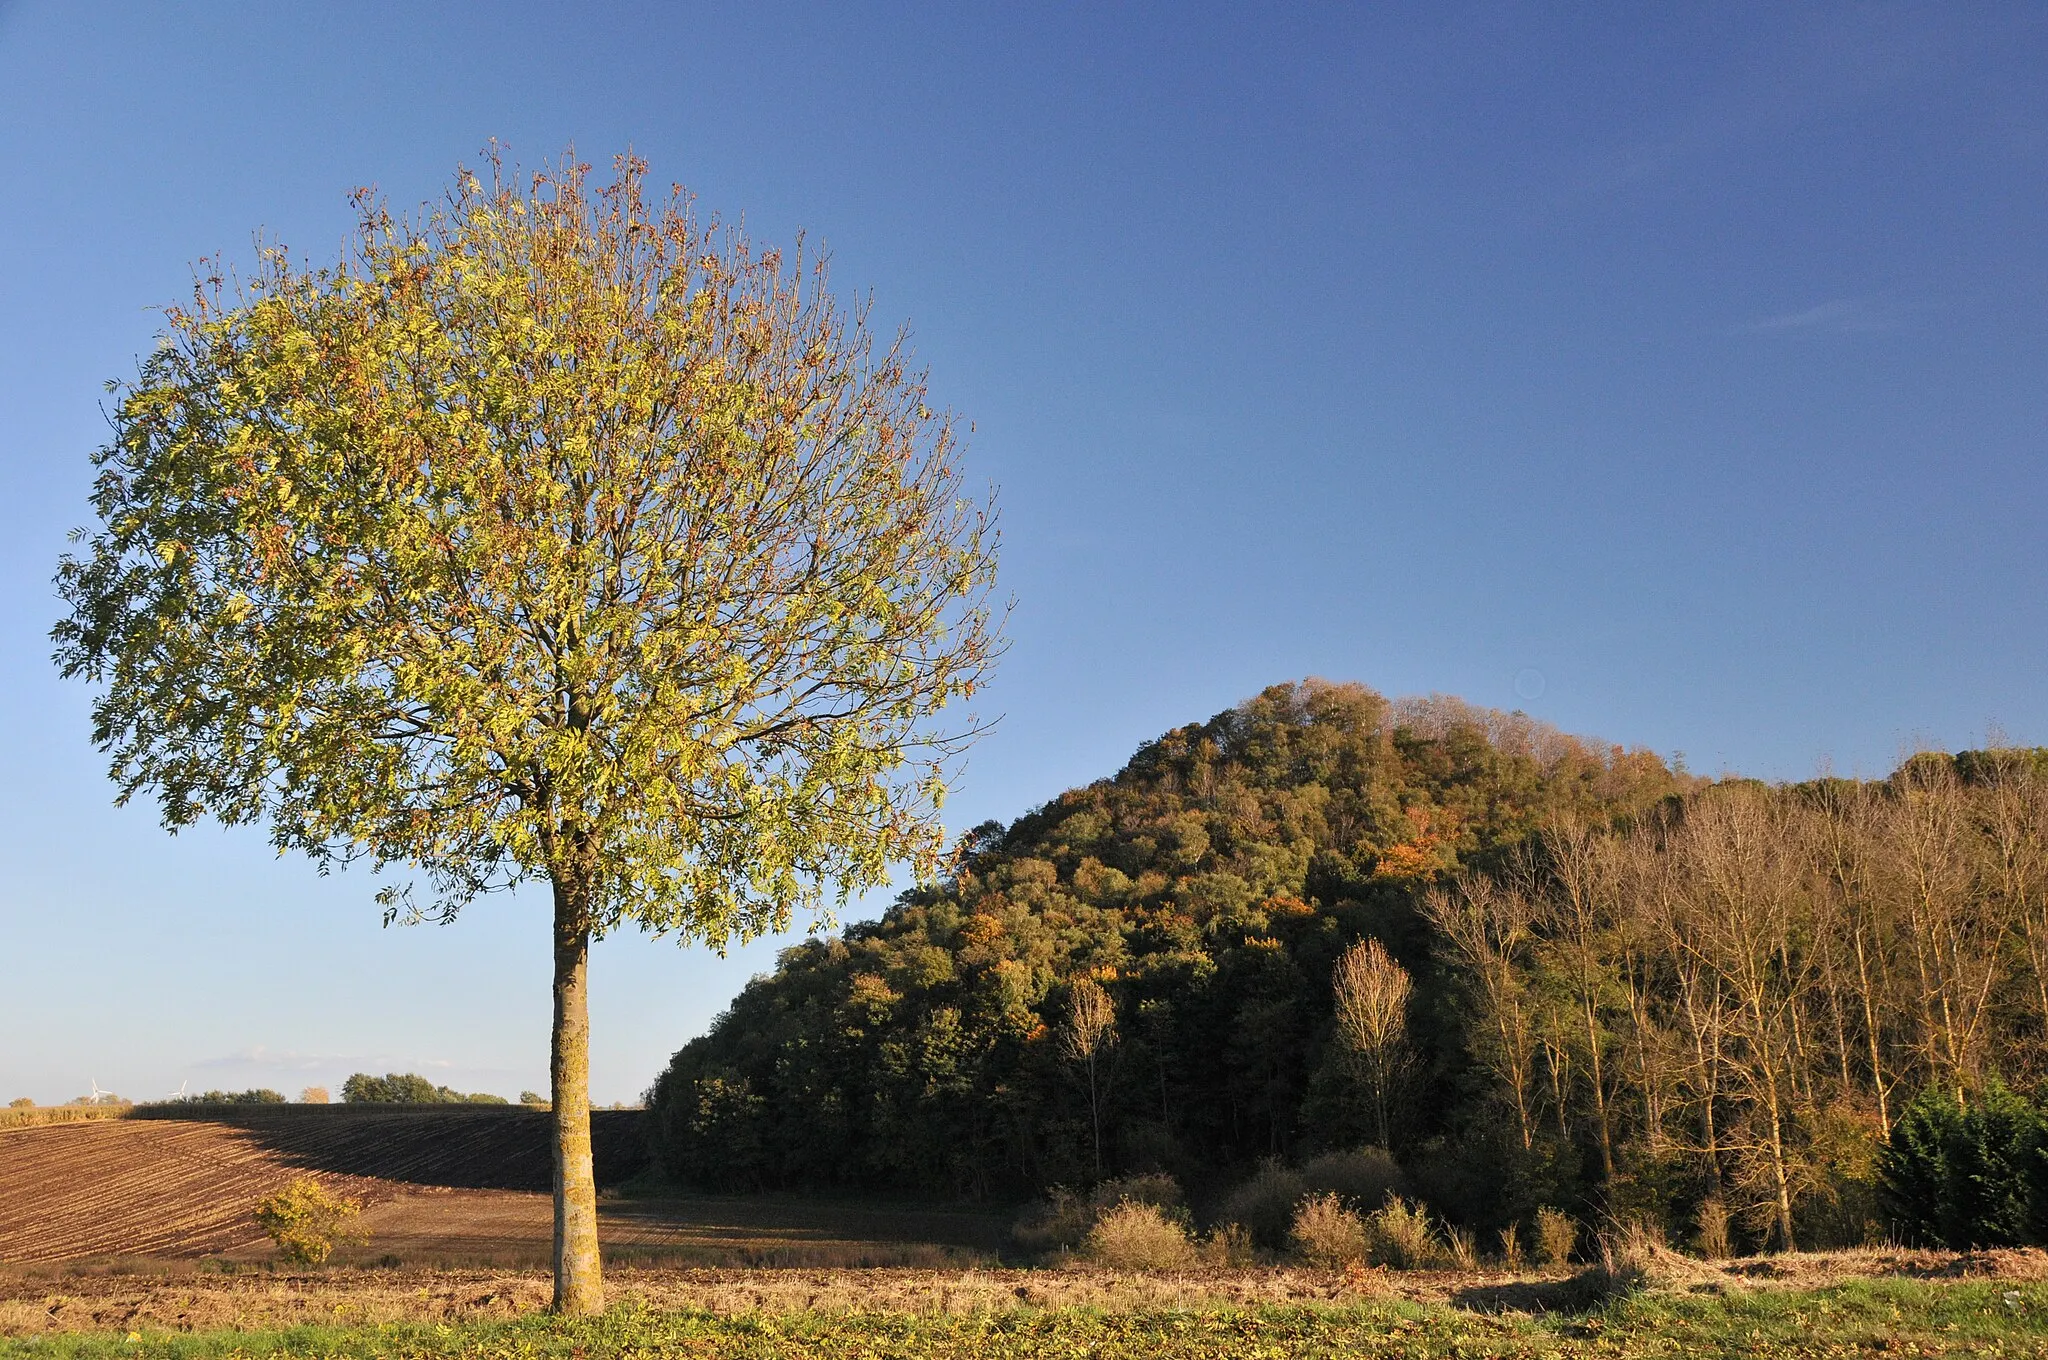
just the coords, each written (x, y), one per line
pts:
(550, 535)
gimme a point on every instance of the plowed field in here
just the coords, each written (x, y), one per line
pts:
(456, 1189)
(174, 1187)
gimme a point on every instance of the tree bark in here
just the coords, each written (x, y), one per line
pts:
(579, 1280)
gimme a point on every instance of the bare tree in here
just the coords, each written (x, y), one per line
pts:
(1956, 934)
(1372, 1023)
(1734, 853)
(1578, 915)
(1090, 1033)
(2015, 822)
(1486, 929)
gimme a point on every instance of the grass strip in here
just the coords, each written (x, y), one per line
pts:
(1888, 1318)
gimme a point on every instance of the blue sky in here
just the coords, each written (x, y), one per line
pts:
(1675, 373)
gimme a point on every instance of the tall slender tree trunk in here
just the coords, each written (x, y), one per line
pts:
(1095, 1115)
(1872, 1031)
(579, 1281)
(1781, 1184)
(1599, 1089)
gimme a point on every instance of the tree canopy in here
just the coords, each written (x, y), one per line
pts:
(408, 1088)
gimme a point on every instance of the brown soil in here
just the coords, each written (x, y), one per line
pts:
(185, 1187)
(455, 1189)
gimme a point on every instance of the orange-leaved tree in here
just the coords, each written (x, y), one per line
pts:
(555, 534)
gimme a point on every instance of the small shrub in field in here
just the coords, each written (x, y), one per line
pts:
(1630, 1257)
(1229, 1245)
(1326, 1233)
(307, 1221)
(1362, 1177)
(1511, 1249)
(1264, 1205)
(1463, 1247)
(21, 1103)
(1712, 1239)
(1557, 1236)
(1060, 1222)
(1398, 1236)
(315, 1095)
(1137, 1236)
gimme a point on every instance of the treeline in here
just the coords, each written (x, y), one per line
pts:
(259, 1095)
(1138, 976)
(1733, 996)
(409, 1088)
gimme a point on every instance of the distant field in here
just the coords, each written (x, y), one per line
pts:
(462, 1186)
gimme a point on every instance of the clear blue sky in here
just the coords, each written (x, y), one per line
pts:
(1685, 363)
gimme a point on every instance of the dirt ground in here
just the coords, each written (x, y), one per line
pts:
(509, 1228)
(185, 1296)
(458, 1190)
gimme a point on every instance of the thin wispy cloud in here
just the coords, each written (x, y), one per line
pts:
(1849, 316)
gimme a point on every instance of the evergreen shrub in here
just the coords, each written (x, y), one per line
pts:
(1967, 1176)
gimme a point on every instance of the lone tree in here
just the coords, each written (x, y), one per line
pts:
(1090, 1032)
(1371, 992)
(551, 535)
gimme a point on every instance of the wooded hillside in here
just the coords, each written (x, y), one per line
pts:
(1541, 970)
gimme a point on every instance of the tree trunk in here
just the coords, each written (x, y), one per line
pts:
(1873, 1031)
(1599, 1092)
(579, 1281)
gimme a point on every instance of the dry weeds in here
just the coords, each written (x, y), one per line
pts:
(179, 1296)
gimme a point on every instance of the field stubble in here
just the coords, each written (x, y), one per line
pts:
(183, 1296)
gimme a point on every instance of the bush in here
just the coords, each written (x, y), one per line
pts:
(1963, 1178)
(1398, 1236)
(1361, 1177)
(1327, 1234)
(1632, 1257)
(1462, 1246)
(1511, 1249)
(307, 1221)
(1060, 1222)
(1557, 1237)
(1229, 1245)
(1264, 1205)
(1136, 1236)
(21, 1103)
(1063, 1220)
(261, 1095)
(314, 1095)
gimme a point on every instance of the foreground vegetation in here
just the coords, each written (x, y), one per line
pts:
(1859, 1318)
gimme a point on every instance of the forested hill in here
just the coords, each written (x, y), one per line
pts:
(1137, 976)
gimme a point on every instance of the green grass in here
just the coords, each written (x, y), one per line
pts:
(1892, 1318)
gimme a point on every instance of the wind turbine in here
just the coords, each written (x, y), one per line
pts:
(179, 1094)
(99, 1097)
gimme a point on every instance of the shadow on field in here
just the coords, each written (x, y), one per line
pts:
(1580, 1293)
(488, 1147)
